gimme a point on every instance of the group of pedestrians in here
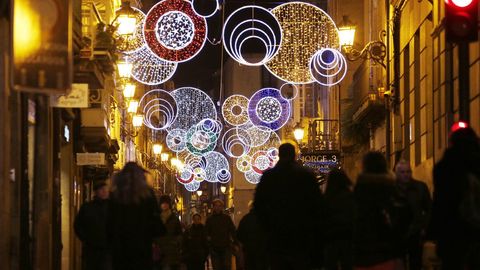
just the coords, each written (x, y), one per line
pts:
(380, 222)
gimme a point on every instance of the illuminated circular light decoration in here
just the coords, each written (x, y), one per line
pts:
(289, 96)
(261, 162)
(306, 29)
(328, 67)
(193, 106)
(174, 32)
(176, 140)
(233, 139)
(268, 108)
(185, 176)
(253, 177)
(192, 186)
(148, 69)
(260, 26)
(235, 110)
(159, 109)
(216, 167)
(259, 135)
(244, 163)
(132, 43)
(202, 138)
(199, 174)
(205, 15)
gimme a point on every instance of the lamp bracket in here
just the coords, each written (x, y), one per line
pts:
(374, 50)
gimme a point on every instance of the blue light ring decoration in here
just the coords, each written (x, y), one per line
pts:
(270, 93)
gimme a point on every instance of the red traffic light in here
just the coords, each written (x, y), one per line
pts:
(461, 20)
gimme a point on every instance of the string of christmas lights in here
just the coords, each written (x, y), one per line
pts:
(148, 69)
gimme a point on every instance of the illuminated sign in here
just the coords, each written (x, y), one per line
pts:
(321, 162)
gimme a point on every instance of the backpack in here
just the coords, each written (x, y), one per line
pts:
(469, 207)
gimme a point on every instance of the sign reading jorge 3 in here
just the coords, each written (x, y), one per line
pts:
(321, 162)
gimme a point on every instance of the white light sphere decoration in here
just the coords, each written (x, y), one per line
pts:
(260, 25)
(148, 68)
(193, 106)
(159, 109)
(328, 67)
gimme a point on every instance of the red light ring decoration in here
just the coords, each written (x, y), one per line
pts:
(189, 51)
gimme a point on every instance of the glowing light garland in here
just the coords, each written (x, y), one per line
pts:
(159, 109)
(173, 31)
(328, 67)
(149, 69)
(205, 15)
(261, 26)
(132, 43)
(233, 139)
(202, 138)
(293, 95)
(193, 106)
(192, 186)
(235, 110)
(252, 177)
(268, 108)
(176, 140)
(306, 29)
(217, 168)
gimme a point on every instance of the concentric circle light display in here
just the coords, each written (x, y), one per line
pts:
(306, 29)
(193, 106)
(159, 109)
(328, 67)
(286, 94)
(212, 11)
(260, 26)
(173, 31)
(244, 163)
(132, 43)
(236, 142)
(202, 138)
(268, 108)
(177, 140)
(148, 69)
(235, 110)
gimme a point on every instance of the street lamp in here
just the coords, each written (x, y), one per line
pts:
(129, 90)
(137, 120)
(199, 193)
(126, 19)
(157, 149)
(298, 133)
(223, 189)
(375, 50)
(124, 69)
(164, 157)
(132, 106)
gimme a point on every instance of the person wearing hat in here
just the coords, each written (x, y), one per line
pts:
(91, 228)
(221, 237)
(170, 243)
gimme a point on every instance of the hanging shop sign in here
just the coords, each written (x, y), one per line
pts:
(321, 162)
(90, 159)
(42, 46)
(78, 97)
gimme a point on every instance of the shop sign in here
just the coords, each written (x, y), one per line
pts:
(42, 46)
(78, 97)
(321, 162)
(90, 159)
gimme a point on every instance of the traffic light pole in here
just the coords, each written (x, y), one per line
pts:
(464, 81)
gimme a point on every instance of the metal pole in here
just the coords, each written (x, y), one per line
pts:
(464, 81)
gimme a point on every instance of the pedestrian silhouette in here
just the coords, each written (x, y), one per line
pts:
(221, 237)
(91, 228)
(253, 241)
(170, 243)
(339, 216)
(418, 197)
(288, 204)
(382, 217)
(455, 222)
(195, 246)
(133, 219)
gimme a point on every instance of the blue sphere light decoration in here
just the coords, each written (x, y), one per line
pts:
(328, 67)
(269, 109)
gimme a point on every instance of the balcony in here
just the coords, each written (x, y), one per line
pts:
(371, 110)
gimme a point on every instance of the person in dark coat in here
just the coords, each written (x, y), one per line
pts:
(418, 198)
(133, 219)
(339, 215)
(170, 243)
(253, 240)
(221, 237)
(195, 246)
(382, 218)
(91, 228)
(288, 204)
(457, 173)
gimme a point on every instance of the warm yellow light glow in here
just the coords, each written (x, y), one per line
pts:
(174, 162)
(298, 133)
(346, 35)
(126, 25)
(223, 189)
(164, 157)
(26, 30)
(124, 69)
(199, 192)
(137, 120)
(129, 90)
(132, 106)
(157, 149)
